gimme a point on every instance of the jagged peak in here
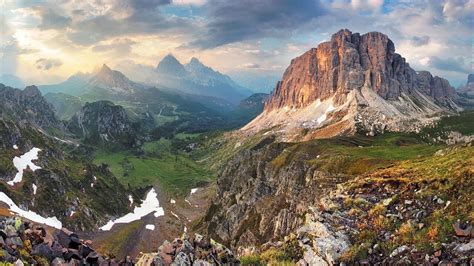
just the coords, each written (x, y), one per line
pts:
(105, 69)
(32, 90)
(169, 59)
(194, 60)
(170, 65)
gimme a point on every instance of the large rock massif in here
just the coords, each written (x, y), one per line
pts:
(353, 82)
(104, 122)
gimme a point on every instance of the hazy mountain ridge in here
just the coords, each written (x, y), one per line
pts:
(196, 78)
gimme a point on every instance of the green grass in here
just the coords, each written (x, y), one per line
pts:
(462, 123)
(356, 154)
(447, 175)
(175, 172)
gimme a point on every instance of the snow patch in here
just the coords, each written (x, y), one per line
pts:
(130, 198)
(149, 205)
(22, 162)
(34, 189)
(172, 201)
(30, 215)
(193, 190)
(150, 227)
(323, 117)
(15, 147)
(72, 213)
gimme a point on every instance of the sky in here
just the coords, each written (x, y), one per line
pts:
(46, 41)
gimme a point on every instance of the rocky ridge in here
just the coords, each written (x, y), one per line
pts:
(27, 107)
(23, 242)
(351, 83)
(114, 81)
(196, 78)
(104, 122)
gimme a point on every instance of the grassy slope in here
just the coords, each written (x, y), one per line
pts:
(447, 175)
(174, 171)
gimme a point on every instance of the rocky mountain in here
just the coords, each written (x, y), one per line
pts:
(12, 81)
(27, 106)
(319, 201)
(104, 122)
(254, 101)
(40, 178)
(196, 78)
(169, 65)
(74, 85)
(353, 83)
(468, 89)
(112, 81)
(466, 93)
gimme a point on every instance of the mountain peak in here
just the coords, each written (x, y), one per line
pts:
(169, 65)
(354, 82)
(105, 70)
(195, 61)
(113, 80)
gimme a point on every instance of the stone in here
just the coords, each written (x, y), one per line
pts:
(181, 259)
(462, 229)
(201, 263)
(58, 262)
(312, 258)
(465, 249)
(398, 251)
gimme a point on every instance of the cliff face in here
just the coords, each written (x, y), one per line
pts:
(351, 61)
(354, 70)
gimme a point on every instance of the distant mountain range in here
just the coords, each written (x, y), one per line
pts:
(12, 81)
(170, 75)
(196, 78)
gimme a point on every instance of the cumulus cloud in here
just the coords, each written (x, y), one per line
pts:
(448, 64)
(103, 27)
(47, 63)
(51, 19)
(234, 21)
(420, 40)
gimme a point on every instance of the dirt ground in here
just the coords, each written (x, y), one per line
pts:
(136, 238)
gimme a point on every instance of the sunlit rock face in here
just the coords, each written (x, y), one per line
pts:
(367, 84)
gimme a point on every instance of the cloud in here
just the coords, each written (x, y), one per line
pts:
(189, 2)
(47, 63)
(374, 5)
(235, 21)
(420, 40)
(93, 30)
(251, 65)
(50, 19)
(118, 46)
(448, 64)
